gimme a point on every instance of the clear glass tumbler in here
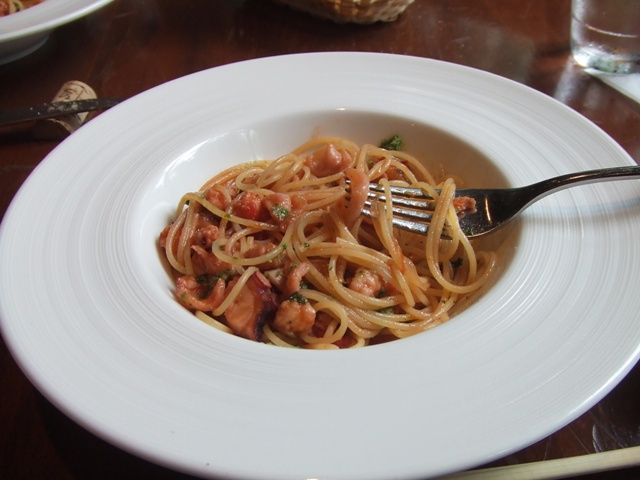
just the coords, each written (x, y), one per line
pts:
(605, 34)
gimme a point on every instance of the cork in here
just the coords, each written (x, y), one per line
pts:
(61, 127)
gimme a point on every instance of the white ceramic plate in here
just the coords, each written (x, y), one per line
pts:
(24, 32)
(88, 313)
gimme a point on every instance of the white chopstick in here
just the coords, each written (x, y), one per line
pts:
(558, 468)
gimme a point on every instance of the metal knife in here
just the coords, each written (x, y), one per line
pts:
(55, 109)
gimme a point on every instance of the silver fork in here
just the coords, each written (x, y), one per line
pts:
(413, 208)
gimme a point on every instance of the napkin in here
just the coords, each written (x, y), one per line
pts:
(626, 83)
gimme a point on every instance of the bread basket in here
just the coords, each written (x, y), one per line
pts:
(353, 11)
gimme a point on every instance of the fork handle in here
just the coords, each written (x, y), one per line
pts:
(561, 182)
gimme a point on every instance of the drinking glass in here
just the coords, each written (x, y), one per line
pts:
(605, 34)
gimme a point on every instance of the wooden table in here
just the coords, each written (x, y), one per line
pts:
(133, 45)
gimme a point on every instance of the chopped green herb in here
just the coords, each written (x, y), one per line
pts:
(469, 231)
(386, 310)
(306, 245)
(280, 212)
(392, 143)
(298, 298)
(209, 279)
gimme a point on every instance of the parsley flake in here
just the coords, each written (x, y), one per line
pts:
(279, 212)
(298, 298)
(392, 143)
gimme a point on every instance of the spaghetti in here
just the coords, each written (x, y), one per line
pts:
(278, 251)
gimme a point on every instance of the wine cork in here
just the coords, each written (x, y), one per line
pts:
(61, 127)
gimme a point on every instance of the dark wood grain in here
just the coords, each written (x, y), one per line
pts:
(133, 45)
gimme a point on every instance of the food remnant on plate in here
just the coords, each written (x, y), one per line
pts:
(8, 7)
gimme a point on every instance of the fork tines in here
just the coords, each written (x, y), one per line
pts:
(412, 208)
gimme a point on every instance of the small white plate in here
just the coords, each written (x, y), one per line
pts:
(23, 32)
(87, 309)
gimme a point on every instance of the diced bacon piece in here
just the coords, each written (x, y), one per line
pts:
(252, 308)
(221, 196)
(294, 278)
(464, 205)
(295, 316)
(366, 282)
(278, 205)
(193, 294)
(249, 205)
(205, 262)
(329, 161)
